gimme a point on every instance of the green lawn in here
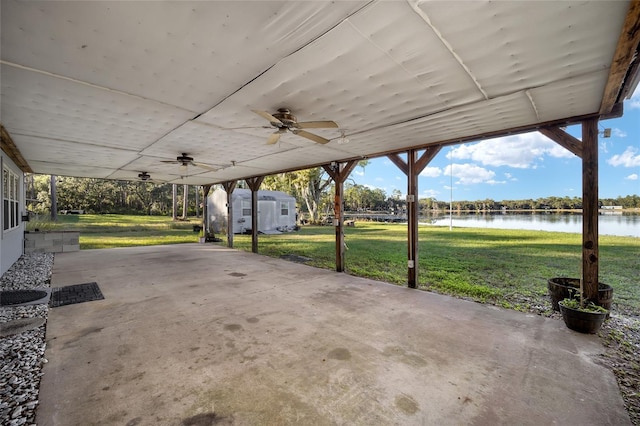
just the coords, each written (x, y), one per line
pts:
(509, 268)
(506, 267)
(110, 230)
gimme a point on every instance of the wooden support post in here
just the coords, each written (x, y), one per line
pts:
(339, 172)
(229, 186)
(254, 184)
(590, 207)
(205, 210)
(339, 224)
(412, 168)
(197, 203)
(412, 219)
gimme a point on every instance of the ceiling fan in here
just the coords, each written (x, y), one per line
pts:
(146, 177)
(184, 160)
(283, 120)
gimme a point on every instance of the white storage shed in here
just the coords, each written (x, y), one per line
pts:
(276, 211)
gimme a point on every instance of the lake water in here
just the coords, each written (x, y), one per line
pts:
(608, 224)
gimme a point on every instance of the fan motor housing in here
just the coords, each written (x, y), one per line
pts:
(285, 116)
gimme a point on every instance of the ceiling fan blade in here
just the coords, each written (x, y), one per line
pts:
(311, 136)
(204, 166)
(170, 161)
(274, 138)
(268, 117)
(317, 125)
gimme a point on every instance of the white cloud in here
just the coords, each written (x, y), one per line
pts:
(359, 172)
(634, 102)
(431, 172)
(372, 187)
(633, 176)
(628, 158)
(430, 193)
(618, 133)
(518, 151)
(510, 177)
(468, 174)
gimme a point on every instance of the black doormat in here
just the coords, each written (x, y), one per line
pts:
(18, 297)
(71, 294)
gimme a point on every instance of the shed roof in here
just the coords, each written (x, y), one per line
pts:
(111, 89)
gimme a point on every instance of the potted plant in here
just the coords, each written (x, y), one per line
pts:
(561, 288)
(581, 314)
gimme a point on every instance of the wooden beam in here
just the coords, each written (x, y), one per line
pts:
(426, 157)
(254, 184)
(398, 161)
(10, 148)
(229, 187)
(563, 139)
(590, 206)
(622, 58)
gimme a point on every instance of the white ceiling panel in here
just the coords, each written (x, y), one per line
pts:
(374, 89)
(190, 54)
(524, 44)
(63, 169)
(72, 153)
(110, 89)
(573, 97)
(311, 154)
(211, 145)
(39, 104)
(511, 111)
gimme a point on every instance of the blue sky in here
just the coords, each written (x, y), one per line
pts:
(522, 166)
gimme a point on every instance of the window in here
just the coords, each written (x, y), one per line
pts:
(284, 208)
(246, 208)
(10, 204)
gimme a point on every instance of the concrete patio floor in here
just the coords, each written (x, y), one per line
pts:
(200, 335)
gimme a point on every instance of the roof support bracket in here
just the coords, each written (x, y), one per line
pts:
(563, 139)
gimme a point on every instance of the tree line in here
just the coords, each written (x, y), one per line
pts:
(312, 188)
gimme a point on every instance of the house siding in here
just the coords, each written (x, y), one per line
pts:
(12, 240)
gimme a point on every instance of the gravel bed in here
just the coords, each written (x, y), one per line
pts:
(22, 354)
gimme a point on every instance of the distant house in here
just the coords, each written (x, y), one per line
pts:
(276, 211)
(611, 207)
(13, 207)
